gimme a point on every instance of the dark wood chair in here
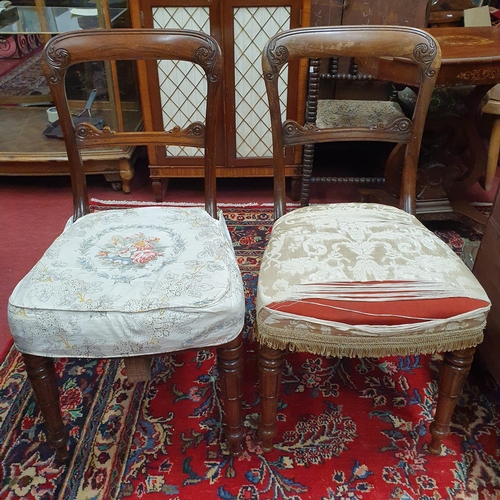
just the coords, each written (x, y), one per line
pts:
(139, 282)
(373, 111)
(376, 118)
(361, 279)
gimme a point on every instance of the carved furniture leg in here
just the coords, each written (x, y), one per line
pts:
(270, 371)
(42, 375)
(126, 174)
(230, 366)
(454, 370)
(307, 166)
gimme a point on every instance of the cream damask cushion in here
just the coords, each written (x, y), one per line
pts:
(355, 279)
(131, 282)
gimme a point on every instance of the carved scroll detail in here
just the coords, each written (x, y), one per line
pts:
(58, 61)
(398, 125)
(196, 129)
(84, 131)
(426, 53)
(206, 58)
(277, 57)
(293, 129)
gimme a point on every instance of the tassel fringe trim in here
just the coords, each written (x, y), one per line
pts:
(369, 347)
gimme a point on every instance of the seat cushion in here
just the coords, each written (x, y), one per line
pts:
(358, 114)
(355, 279)
(131, 282)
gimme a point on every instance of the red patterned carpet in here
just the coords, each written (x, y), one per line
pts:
(348, 429)
(26, 78)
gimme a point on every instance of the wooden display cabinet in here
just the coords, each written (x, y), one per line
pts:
(241, 27)
(24, 150)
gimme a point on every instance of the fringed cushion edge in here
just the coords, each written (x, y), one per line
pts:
(369, 347)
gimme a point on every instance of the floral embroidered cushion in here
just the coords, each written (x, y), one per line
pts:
(131, 282)
(359, 279)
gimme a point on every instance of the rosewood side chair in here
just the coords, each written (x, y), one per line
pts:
(137, 282)
(378, 119)
(360, 279)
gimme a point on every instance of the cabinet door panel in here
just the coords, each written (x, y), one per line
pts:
(247, 26)
(182, 85)
(253, 26)
(242, 28)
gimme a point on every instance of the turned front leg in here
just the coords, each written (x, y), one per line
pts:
(270, 371)
(453, 373)
(42, 375)
(230, 366)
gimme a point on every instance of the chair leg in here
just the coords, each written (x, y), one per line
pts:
(42, 375)
(307, 166)
(270, 371)
(230, 366)
(454, 370)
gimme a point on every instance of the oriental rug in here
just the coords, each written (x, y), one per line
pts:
(25, 79)
(350, 428)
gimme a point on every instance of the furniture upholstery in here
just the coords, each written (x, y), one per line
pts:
(359, 279)
(138, 282)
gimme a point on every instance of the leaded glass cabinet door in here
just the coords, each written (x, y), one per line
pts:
(241, 28)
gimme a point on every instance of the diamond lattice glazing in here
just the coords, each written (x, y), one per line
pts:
(253, 26)
(182, 85)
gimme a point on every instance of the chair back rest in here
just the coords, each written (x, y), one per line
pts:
(83, 46)
(407, 44)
